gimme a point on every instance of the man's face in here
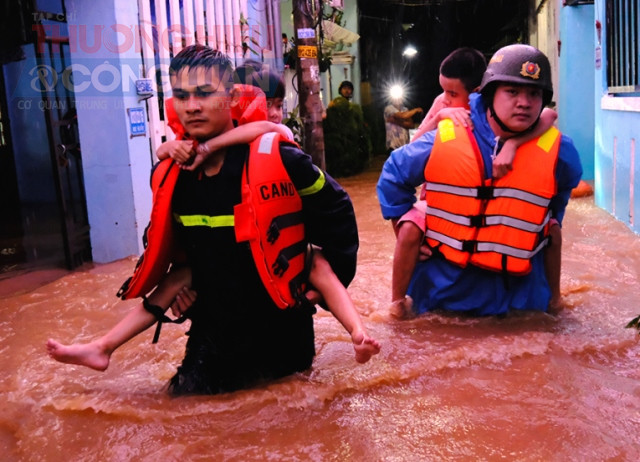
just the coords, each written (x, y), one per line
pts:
(455, 94)
(518, 106)
(346, 92)
(274, 110)
(201, 102)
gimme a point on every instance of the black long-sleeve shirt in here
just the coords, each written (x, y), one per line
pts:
(233, 312)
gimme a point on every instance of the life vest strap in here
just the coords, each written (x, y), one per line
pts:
(464, 245)
(281, 264)
(124, 286)
(282, 221)
(158, 313)
(297, 285)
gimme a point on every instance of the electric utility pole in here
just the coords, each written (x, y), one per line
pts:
(308, 72)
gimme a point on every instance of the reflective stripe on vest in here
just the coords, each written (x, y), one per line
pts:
(489, 192)
(474, 246)
(498, 226)
(483, 220)
(220, 221)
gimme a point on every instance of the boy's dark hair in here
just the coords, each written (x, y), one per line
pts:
(467, 65)
(203, 56)
(255, 73)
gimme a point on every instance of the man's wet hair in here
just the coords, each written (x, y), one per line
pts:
(255, 73)
(465, 64)
(199, 55)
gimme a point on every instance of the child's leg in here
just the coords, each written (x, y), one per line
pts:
(169, 287)
(405, 257)
(410, 234)
(341, 306)
(96, 354)
(553, 265)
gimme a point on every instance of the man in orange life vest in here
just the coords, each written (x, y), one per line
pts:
(487, 234)
(239, 335)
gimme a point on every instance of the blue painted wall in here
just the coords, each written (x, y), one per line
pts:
(576, 74)
(617, 130)
(116, 166)
(607, 124)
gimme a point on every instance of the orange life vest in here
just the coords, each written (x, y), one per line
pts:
(158, 236)
(497, 225)
(269, 218)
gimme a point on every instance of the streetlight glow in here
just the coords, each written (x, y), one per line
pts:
(396, 92)
(410, 51)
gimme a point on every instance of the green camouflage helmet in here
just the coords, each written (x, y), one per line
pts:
(518, 64)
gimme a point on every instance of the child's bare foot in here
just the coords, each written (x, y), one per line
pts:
(402, 308)
(83, 354)
(365, 347)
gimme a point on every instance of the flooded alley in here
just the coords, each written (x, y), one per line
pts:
(527, 387)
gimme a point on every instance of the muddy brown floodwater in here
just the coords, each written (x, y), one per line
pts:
(531, 387)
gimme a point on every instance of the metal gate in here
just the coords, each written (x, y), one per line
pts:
(58, 104)
(167, 26)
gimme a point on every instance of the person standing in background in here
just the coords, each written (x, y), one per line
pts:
(398, 120)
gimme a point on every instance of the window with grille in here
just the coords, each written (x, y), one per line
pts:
(623, 53)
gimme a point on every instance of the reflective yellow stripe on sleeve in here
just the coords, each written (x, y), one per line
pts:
(219, 221)
(315, 187)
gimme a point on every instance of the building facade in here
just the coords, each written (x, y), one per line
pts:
(82, 87)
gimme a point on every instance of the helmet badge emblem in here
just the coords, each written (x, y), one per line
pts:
(531, 70)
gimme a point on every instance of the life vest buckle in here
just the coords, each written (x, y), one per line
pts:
(273, 233)
(470, 246)
(478, 221)
(485, 192)
(280, 265)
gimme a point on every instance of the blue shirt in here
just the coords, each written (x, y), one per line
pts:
(436, 283)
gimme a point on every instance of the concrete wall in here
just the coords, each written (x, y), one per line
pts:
(544, 32)
(116, 165)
